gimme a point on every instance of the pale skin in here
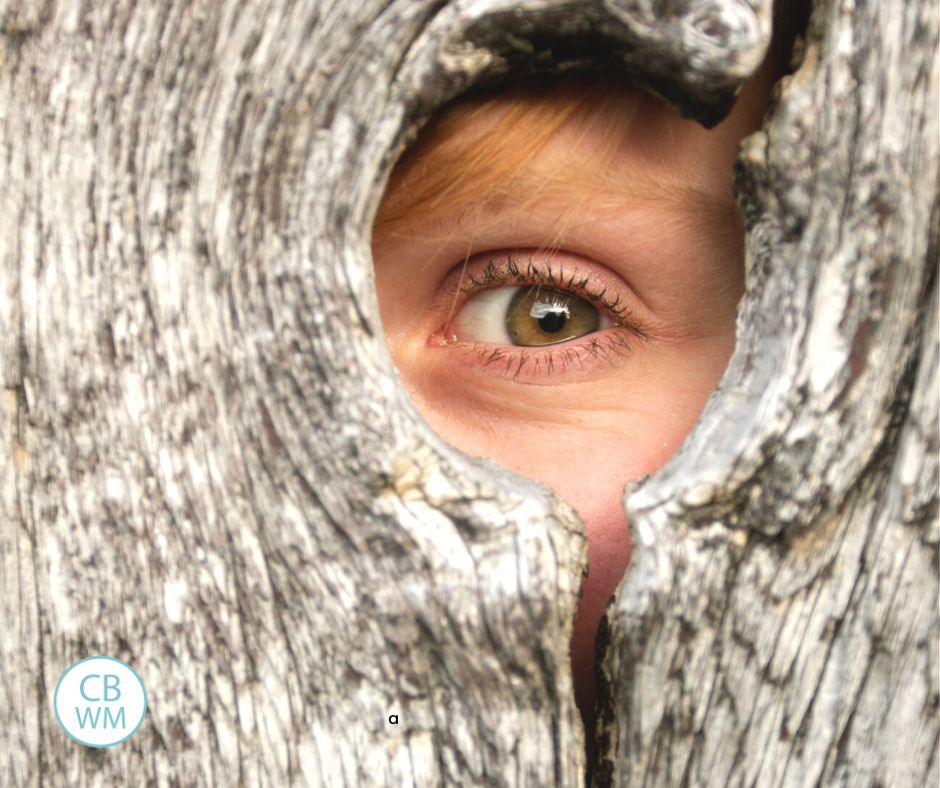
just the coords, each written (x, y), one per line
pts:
(658, 233)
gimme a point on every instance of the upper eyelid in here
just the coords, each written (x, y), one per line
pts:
(511, 274)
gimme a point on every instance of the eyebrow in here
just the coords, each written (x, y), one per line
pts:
(685, 195)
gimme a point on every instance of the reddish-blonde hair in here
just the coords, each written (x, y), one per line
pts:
(471, 152)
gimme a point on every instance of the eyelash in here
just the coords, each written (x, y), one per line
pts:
(494, 275)
(550, 359)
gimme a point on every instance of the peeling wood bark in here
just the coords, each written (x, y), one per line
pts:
(210, 470)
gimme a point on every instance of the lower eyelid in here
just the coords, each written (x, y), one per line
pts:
(546, 365)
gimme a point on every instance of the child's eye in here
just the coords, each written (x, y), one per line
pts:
(530, 316)
(524, 315)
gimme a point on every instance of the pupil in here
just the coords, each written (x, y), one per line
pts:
(553, 322)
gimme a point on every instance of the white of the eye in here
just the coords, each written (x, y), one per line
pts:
(483, 317)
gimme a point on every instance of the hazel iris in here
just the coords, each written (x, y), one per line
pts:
(544, 316)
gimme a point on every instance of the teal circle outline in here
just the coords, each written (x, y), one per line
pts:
(55, 705)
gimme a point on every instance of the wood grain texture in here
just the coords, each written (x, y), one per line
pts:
(211, 471)
(780, 624)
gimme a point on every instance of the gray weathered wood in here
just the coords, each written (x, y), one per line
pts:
(210, 470)
(780, 623)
